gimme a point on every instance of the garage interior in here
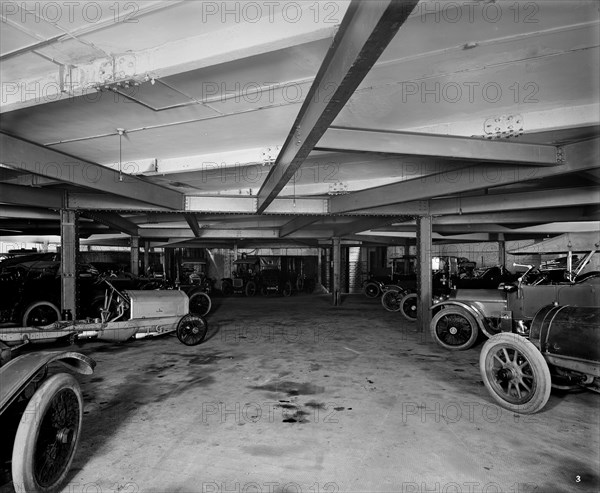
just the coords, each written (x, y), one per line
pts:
(333, 135)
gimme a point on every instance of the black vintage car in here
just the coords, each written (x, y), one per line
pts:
(274, 281)
(31, 289)
(244, 279)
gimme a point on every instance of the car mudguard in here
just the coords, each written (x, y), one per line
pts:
(18, 373)
(471, 309)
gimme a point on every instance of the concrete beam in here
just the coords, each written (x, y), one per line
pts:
(192, 221)
(296, 224)
(18, 195)
(532, 200)
(366, 30)
(39, 160)
(362, 224)
(566, 214)
(113, 221)
(581, 156)
(248, 205)
(415, 144)
(107, 202)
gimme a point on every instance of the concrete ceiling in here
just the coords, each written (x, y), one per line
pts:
(207, 94)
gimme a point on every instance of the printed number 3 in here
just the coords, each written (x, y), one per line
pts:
(578, 479)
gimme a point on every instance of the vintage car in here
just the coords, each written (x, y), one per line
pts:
(447, 273)
(30, 288)
(563, 351)
(274, 281)
(244, 278)
(42, 414)
(401, 276)
(460, 318)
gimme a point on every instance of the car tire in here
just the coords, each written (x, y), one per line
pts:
(454, 329)
(40, 313)
(372, 290)
(287, 289)
(408, 306)
(391, 300)
(191, 329)
(515, 373)
(250, 289)
(49, 430)
(200, 303)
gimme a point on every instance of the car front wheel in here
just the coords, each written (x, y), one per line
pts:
(250, 289)
(372, 290)
(391, 300)
(454, 329)
(408, 306)
(287, 289)
(515, 373)
(47, 435)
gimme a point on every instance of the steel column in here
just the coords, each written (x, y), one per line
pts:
(135, 255)
(146, 256)
(319, 278)
(501, 250)
(69, 250)
(424, 285)
(337, 271)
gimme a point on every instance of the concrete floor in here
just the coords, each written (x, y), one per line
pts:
(294, 395)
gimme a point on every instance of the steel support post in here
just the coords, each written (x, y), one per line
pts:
(146, 256)
(337, 270)
(424, 287)
(501, 250)
(69, 250)
(319, 277)
(135, 255)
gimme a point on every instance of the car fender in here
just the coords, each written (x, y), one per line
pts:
(18, 372)
(470, 308)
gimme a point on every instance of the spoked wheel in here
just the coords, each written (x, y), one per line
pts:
(391, 300)
(454, 329)
(250, 289)
(408, 306)
(47, 435)
(515, 373)
(372, 290)
(40, 313)
(200, 303)
(287, 289)
(192, 329)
